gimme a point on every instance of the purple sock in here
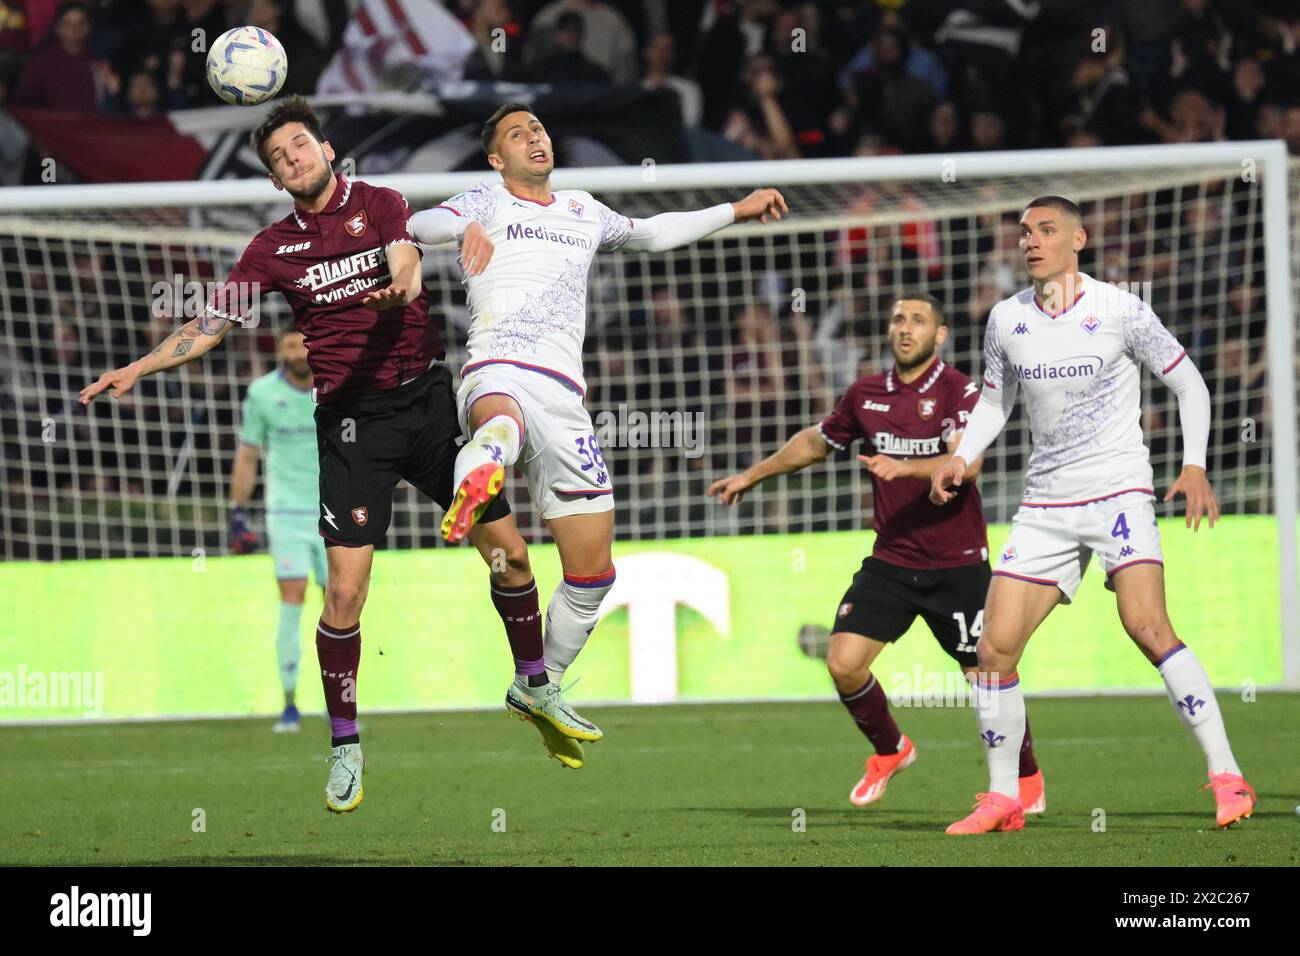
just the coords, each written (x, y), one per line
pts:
(869, 708)
(342, 727)
(522, 618)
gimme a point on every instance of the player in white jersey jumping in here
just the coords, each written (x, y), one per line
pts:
(526, 250)
(1073, 344)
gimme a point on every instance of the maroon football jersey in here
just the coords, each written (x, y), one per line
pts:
(909, 420)
(325, 263)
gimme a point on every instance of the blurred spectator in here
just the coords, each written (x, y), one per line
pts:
(13, 141)
(1104, 105)
(988, 130)
(62, 75)
(1290, 128)
(13, 27)
(567, 63)
(607, 40)
(888, 99)
(306, 59)
(155, 32)
(808, 77)
(660, 72)
(945, 129)
(141, 96)
(498, 35)
(1193, 118)
(921, 64)
(759, 123)
(1247, 87)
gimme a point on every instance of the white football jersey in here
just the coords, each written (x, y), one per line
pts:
(1082, 386)
(529, 306)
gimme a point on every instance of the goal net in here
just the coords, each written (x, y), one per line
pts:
(700, 361)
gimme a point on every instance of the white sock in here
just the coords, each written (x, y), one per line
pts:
(1000, 706)
(497, 439)
(570, 618)
(1193, 699)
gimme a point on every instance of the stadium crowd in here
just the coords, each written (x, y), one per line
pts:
(861, 78)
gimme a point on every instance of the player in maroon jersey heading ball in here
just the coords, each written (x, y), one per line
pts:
(347, 265)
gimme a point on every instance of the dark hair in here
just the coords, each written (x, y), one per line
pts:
(293, 109)
(66, 8)
(1056, 202)
(935, 305)
(489, 134)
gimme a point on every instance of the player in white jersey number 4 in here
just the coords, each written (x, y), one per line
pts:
(526, 250)
(1073, 344)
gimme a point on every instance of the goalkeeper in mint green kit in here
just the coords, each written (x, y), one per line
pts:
(279, 415)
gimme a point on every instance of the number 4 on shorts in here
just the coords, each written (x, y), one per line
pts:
(1121, 527)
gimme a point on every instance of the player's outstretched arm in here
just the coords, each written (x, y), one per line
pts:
(671, 230)
(805, 448)
(1194, 417)
(196, 337)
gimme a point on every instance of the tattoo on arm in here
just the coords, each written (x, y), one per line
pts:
(182, 347)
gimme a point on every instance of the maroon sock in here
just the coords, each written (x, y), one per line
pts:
(522, 617)
(339, 652)
(1028, 765)
(869, 708)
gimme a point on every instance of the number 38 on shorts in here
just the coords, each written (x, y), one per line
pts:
(1052, 546)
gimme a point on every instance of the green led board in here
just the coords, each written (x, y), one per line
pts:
(174, 637)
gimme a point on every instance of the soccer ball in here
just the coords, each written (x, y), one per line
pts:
(246, 65)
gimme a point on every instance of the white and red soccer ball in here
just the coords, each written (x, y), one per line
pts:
(246, 66)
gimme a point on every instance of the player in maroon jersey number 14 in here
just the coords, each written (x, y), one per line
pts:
(385, 408)
(925, 560)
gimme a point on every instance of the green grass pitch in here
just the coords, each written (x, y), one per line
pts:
(706, 784)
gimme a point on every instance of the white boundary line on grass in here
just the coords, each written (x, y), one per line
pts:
(488, 708)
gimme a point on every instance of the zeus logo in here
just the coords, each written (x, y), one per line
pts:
(296, 247)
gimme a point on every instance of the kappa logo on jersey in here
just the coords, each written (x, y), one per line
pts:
(925, 408)
(1020, 329)
(1091, 324)
(1008, 555)
(575, 207)
(295, 247)
(356, 226)
(1126, 551)
(360, 516)
(871, 406)
(845, 609)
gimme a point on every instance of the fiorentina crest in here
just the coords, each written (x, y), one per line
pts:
(575, 207)
(1091, 324)
(356, 226)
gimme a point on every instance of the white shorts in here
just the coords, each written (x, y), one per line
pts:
(561, 460)
(1052, 546)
